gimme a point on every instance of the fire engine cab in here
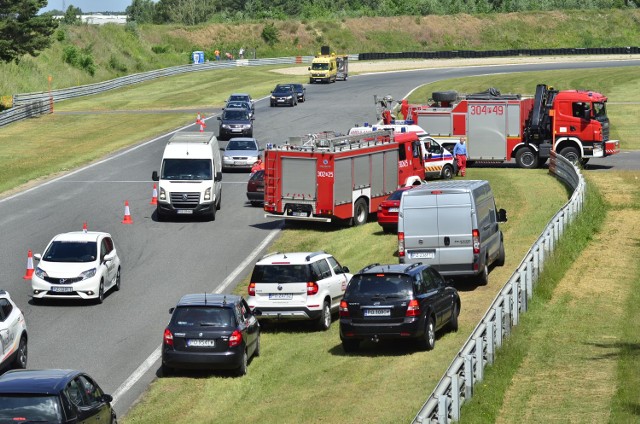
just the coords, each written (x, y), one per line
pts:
(327, 176)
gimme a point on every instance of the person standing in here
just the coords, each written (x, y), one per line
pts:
(258, 165)
(241, 53)
(460, 153)
(217, 54)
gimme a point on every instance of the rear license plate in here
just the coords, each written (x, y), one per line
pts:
(377, 312)
(201, 343)
(299, 214)
(393, 210)
(184, 212)
(61, 289)
(260, 189)
(423, 255)
(281, 296)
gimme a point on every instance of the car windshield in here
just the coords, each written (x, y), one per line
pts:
(599, 110)
(71, 251)
(238, 98)
(281, 274)
(258, 175)
(29, 408)
(283, 88)
(241, 105)
(241, 145)
(396, 195)
(186, 169)
(203, 316)
(379, 284)
(235, 115)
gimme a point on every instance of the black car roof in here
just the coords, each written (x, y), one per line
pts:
(36, 381)
(392, 268)
(211, 299)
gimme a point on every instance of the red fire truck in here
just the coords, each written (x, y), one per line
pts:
(343, 177)
(503, 127)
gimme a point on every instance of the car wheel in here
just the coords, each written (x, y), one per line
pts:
(501, 255)
(360, 213)
(114, 419)
(350, 345)
(100, 297)
(428, 339)
(212, 214)
(219, 203)
(256, 352)
(453, 322)
(256, 203)
(387, 229)
(116, 287)
(36, 300)
(166, 370)
(483, 277)
(447, 172)
(160, 216)
(304, 99)
(324, 321)
(242, 370)
(571, 154)
(526, 158)
(20, 361)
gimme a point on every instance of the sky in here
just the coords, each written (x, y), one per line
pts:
(89, 5)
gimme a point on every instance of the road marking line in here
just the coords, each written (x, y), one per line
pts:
(157, 353)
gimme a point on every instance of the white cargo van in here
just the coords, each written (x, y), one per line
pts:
(438, 161)
(190, 180)
(452, 226)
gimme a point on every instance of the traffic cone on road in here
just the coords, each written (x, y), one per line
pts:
(154, 196)
(29, 273)
(201, 122)
(84, 227)
(127, 214)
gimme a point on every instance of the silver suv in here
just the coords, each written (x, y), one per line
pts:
(13, 334)
(297, 286)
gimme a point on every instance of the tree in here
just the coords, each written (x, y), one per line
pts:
(22, 30)
(72, 15)
(141, 11)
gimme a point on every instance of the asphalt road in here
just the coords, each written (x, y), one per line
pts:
(163, 261)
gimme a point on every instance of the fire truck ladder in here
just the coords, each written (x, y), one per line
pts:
(318, 142)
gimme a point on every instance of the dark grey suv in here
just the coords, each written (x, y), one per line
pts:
(235, 122)
(397, 302)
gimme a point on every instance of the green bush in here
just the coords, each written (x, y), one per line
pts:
(116, 65)
(159, 49)
(70, 55)
(60, 35)
(270, 34)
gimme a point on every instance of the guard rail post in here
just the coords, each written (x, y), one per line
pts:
(479, 359)
(491, 342)
(524, 292)
(455, 398)
(443, 409)
(500, 326)
(468, 377)
(530, 282)
(514, 305)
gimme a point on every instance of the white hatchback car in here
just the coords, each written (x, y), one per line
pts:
(77, 265)
(297, 286)
(13, 334)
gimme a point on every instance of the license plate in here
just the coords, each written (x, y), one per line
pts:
(299, 214)
(281, 296)
(423, 255)
(260, 189)
(394, 209)
(201, 343)
(62, 289)
(184, 212)
(280, 100)
(236, 130)
(377, 312)
(240, 162)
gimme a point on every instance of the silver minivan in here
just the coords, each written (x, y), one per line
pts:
(452, 226)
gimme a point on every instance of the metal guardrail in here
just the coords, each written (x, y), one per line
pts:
(467, 368)
(30, 110)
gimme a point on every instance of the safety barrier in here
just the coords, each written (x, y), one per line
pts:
(467, 368)
(30, 110)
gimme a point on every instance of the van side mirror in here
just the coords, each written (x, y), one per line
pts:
(218, 176)
(502, 215)
(154, 176)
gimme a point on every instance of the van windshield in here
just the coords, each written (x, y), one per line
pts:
(186, 169)
(319, 66)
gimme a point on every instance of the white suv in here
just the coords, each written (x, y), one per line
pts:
(13, 334)
(297, 286)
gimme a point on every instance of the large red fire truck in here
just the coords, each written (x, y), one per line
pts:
(500, 127)
(344, 177)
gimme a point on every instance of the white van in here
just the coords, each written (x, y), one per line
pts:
(452, 226)
(190, 180)
(438, 161)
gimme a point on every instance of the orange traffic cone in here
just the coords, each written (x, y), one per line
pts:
(127, 214)
(29, 273)
(154, 196)
(201, 122)
(84, 227)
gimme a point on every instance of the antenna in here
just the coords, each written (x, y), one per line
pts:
(205, 298)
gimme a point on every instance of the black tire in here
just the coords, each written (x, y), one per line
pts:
(20, 361)
(160, 216)
(211, 216)
(219, 204)
(571, 154)
(428, 339)
(360, 213)
(255, 203)
(453, 321)
(584, 161)
(256, 352)
(37, 300)
(387, 229)
(304, 99)
(502, 256)
(242, 369)
(444, 96)
(100, 297)
(526, 158)
(166, 370)
(350, 345)
(116, 287)
(324, 320)
(483, 277)
(310, 80)
(541, 162)
(447, 172)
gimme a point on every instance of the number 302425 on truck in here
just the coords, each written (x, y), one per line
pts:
(339, 177)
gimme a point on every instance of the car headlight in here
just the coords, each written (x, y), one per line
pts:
(289, 97)
(227, 159)
(207, 194)
(40, 273)
(163, 194)
(225, 126)
(246, 126)
(252, 158)
(88, 274)
(273, 97)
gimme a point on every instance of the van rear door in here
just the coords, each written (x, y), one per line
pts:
(420, 223)
(455, 232)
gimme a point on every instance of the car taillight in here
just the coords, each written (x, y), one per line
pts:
(413, 310)
(401, 244)
(235, 339)
(168, 337)
(476, 241)
(251, 290)
(344, 309)
(312, 288)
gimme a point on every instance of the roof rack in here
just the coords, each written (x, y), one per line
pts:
(368, 267)
(311, 255)
(270, 254)
(410, 267)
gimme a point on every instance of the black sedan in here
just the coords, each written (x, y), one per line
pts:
(210, 331)
(255, 188)
(301, 92)
(284, 94)
(53, 396)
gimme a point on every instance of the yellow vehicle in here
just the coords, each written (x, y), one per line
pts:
(324, 68)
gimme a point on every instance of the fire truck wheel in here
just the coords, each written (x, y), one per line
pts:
(584, 161)
(444, 96)
(447, 172)
(571, 154)
(360, 212)
(527, 158)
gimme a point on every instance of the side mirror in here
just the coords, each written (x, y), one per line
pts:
(154, 176)
(171, 310)
(223, 149)
(309, 68)
(220, 118)
(107, 398)
(218, 176)
(109, 256)
(502, 215)
(37, 256)
(345, 269)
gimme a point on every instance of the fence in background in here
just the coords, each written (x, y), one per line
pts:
(467, 368)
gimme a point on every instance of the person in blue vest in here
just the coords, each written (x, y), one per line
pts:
(460, 153)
